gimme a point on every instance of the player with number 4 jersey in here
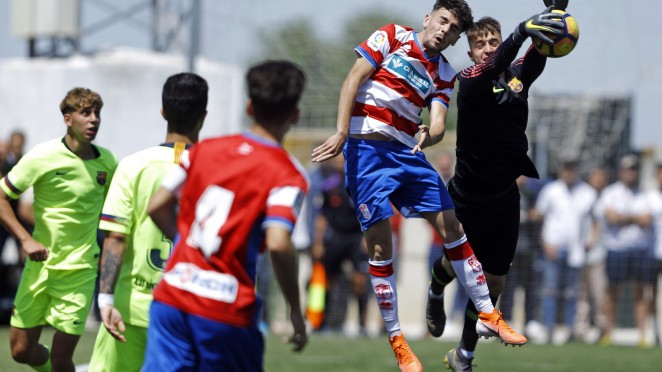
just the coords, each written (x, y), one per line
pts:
(238, 195)
(222, 215)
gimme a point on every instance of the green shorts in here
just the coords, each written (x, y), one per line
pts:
(61, 298)
(112, 355)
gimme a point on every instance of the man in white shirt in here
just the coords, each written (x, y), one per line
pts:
(626, 217)
(565, 204)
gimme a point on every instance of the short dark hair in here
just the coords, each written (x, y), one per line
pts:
(483, 27)
(184, 101)
(78, 98)
(275, 88)
(459, 8)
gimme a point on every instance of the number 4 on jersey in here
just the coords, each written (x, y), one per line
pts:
(211, 213)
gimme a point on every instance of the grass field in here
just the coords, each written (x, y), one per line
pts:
(335, 353)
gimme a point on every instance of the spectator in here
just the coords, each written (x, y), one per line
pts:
(523, 270)
(594, 275)
(565, 206)
(15, 148)
(655, 200)
(626, 217)
(338, 239)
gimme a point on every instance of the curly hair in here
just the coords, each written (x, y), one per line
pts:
(458, 8)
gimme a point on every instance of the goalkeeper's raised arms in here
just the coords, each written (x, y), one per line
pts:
(538, 26)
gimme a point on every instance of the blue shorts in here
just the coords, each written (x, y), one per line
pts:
(632, 264)
(177, 341)
(378, 173)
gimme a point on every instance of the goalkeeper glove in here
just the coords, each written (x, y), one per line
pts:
(538, 25)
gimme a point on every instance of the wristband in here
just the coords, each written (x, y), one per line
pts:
(105, 299)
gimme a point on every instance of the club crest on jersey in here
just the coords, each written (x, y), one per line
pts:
(475, 264)
(516, 85)
(102, 177)
(377, 39)
(365, 212)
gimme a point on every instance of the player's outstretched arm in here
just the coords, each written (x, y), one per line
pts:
(284, 263)
(333, 146)
(538, 26)
(114, 247)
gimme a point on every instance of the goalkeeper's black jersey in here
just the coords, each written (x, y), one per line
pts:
(491, 141)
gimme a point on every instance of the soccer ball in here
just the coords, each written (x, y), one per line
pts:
(563, 43)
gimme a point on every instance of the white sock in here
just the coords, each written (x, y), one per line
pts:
(382, 279)
(469, 273)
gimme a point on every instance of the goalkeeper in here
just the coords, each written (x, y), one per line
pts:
(491, 154)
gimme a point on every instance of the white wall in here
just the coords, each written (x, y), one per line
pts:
(129, 81)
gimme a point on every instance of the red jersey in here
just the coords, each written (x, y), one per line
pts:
(405, 81)
(235, 187)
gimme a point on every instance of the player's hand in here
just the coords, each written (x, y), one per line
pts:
(35, 250)
(424, 139)
(538, 26)
(112, 320)
(330, 148)
(299, 338)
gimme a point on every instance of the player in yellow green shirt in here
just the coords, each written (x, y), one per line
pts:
(135, 250)
(70, 177)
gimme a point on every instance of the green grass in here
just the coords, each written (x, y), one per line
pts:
(372, 355)
(335, 353)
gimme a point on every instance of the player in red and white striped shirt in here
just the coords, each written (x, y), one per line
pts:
(398, 73)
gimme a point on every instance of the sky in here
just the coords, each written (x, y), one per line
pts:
(618, 53)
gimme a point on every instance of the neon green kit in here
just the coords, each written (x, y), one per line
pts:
(68, 196)
(138, 176)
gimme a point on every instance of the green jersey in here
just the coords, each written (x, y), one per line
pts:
(138, 176)
(68, 196)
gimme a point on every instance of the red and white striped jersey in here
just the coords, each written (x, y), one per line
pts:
(235, 187)
(405, 80)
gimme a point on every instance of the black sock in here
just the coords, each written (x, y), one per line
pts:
(469, 335)
(440, 278)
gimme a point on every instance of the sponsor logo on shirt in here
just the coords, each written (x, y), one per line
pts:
(377, 39)
(403, 68)
(208, 284)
